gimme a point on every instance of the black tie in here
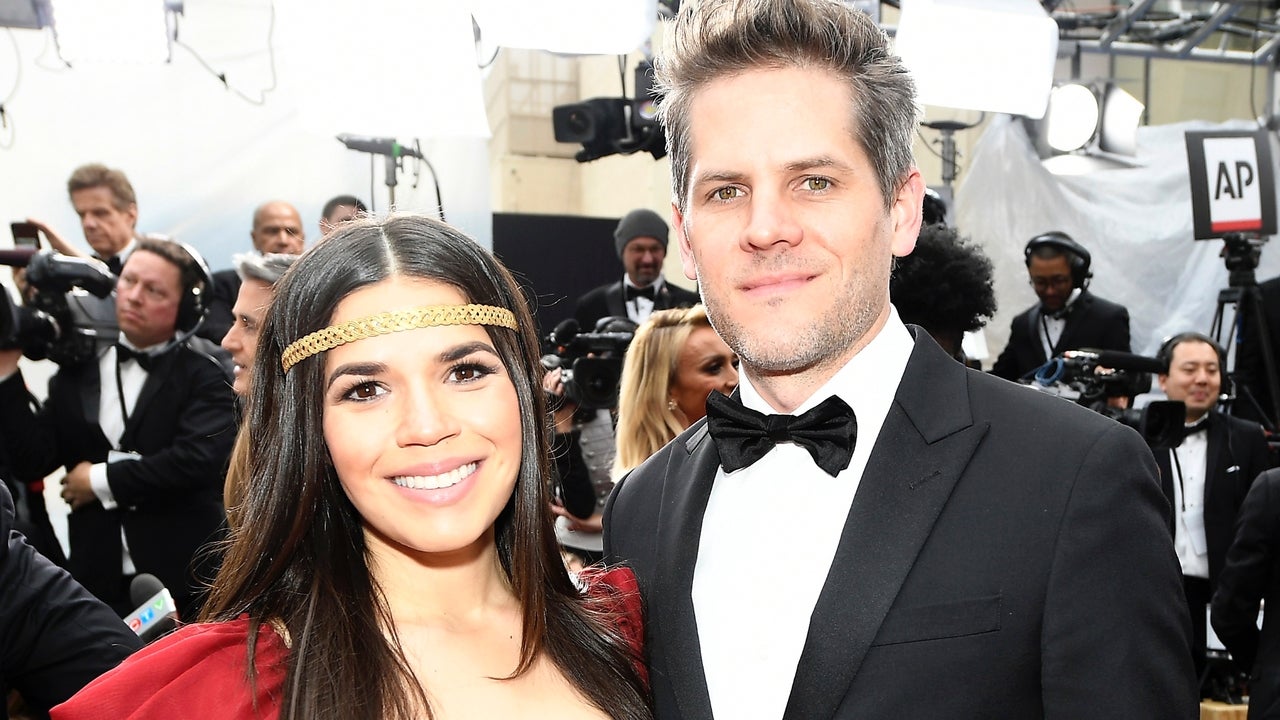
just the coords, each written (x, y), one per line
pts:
(125, 353)
(114, 265)
(635, 292)
(743, 435)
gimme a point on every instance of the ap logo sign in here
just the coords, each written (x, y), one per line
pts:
(1232, 183)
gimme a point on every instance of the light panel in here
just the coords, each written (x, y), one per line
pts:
(1072, 117)
(133, 31)
(991, 55)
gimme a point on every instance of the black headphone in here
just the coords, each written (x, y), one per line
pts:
(194, 307)
(1079, 257)
(197, 285)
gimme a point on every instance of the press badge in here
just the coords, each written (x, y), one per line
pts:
(1193, 521)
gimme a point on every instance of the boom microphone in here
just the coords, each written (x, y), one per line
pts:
(18, 257)
(378, 146)
(1117, 360)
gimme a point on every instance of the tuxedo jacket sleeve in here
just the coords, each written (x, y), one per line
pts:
(1005, 548)
(54, 636)
(1251, 575)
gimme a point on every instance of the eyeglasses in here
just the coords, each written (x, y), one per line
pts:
(1057, 281)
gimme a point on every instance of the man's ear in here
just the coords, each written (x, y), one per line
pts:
(682, 238)
(907, 213)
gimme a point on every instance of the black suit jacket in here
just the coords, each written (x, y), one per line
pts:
(606, 301)
(1006, 556)
(1236, 454)
(1252, 574)
(1091, 323)
(170, 501)
(54, 636)
(219, 319)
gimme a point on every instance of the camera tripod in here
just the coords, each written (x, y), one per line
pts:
(1241, 255)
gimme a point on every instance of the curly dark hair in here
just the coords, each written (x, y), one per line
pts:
(944, 285)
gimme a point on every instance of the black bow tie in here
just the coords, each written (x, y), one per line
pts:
(125, 353)
(114, 264)
(743, 435)
(635, 292)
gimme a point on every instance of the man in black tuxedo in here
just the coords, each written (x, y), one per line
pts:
(1068, 316)
(1208, 475)
(982, 550)
(144, 431)
(1251, 575)
(55, 637)
(277, 229)
(641, 240)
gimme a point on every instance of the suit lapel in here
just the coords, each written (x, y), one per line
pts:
(91, 393)
(1077, 318)
(157, 378)
(1216, 438)
(925, 444)
(684, 501)
(615, 302)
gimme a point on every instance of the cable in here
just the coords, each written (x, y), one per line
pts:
(622, 74)
(5, 121)
(435, 179)
(222, 77)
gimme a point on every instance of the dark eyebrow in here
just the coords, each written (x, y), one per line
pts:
(821, 161)
(458, 352)
(356, 368)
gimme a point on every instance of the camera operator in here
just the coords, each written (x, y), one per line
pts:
(108, 210)
(1207, 477)
(641, 240)
(582, 386)
(1068, 316)
(143, 429)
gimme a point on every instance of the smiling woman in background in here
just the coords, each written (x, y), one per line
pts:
(675, 360)
(395, 556)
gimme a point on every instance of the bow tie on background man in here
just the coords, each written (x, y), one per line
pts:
(743, 435)
(125, 353)
(635, 292)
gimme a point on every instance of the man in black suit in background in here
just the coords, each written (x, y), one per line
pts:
(1250, 576)
(1207, 476)
(144, 431)
(981, 550)
(277, 229)
(1068, 316)
(641, 240)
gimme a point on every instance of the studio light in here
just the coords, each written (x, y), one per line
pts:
(1092, 117)
(991, 56)
(1072, 117)
(113, 30)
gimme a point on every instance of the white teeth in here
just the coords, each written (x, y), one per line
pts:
(435, 482)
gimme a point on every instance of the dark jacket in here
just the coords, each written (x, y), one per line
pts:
(1091, 322)
(607, 301)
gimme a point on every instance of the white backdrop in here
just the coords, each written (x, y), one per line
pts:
(201, 157)
(1135, 222)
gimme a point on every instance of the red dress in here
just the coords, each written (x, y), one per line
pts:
(199, 671)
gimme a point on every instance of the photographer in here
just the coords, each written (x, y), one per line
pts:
(641, 242)
(143, 429)
(1207, 477)
(581, 382)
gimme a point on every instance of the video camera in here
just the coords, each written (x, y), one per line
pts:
(71, 310)
(591, 363)
(1090, 377)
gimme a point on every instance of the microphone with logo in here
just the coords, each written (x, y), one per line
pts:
(156, 614)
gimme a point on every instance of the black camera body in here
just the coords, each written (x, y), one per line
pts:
(1094, 376)
(591, 363)
(70, 314)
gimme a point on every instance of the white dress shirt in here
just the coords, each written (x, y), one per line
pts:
(769, 535)
(639, 308)
(1188, 462)
(112, 421)
(1051, 327)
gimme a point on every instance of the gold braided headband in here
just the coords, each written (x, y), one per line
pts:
(389, 322)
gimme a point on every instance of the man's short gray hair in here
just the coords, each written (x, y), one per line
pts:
(264, 267)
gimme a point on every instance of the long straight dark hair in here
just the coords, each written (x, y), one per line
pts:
(298, 555)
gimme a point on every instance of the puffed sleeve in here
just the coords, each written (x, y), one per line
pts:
(198, 672)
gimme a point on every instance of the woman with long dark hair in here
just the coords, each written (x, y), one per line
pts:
(394, 556)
